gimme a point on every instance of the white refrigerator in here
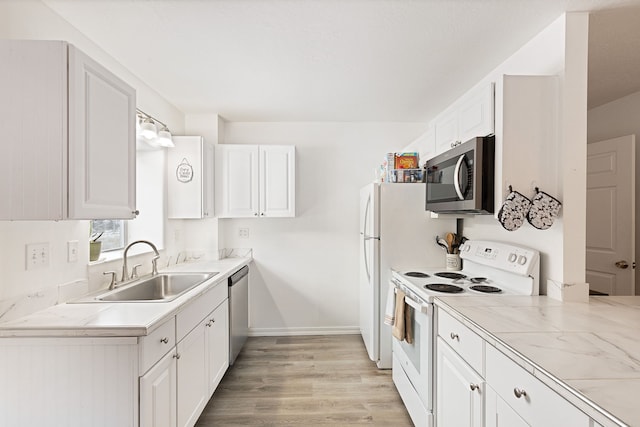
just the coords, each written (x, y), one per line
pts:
(395, 232)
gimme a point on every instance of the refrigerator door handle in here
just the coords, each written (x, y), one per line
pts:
(366, 260)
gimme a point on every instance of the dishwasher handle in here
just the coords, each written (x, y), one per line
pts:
(238, 275)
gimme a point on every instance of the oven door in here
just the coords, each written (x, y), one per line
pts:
(416, 358)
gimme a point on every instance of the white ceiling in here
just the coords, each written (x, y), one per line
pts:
(337, 60)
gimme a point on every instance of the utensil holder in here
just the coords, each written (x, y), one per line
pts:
(453, 262)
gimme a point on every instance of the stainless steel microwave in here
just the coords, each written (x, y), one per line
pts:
(461, 180)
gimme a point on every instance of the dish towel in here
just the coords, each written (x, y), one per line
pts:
(408, 328)
(398, 326)
(390, 310)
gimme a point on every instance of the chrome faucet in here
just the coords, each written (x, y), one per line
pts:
(154, 260)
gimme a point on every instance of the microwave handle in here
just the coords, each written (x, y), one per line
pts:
(456, 177)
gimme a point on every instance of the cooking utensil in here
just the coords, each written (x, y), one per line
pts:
(451, 238)
(440, 242)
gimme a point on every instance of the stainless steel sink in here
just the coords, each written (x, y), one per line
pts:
(163, 287)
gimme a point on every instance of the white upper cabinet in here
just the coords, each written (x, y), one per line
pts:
(68, 135)
(277, 181)
(470, 116)
(190, 178)
(255, 181)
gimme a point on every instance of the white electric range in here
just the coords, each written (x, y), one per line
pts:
(489, 268)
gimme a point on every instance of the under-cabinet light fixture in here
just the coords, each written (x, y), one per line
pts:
(147, 127)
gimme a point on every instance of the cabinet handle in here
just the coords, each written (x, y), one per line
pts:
(136, 212)
(212, 321)
(255, 214)
(165, 340)
(454, 336)
(519, 392)
(262, 214)
(474, 387)
(176, 356)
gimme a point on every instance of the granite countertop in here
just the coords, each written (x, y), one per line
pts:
(587, 352)
(117, 319)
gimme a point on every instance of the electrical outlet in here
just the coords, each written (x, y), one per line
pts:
(37, 256)
(243, 233)
(72, 251)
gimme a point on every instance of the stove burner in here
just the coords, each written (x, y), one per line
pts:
(486, 289)
(444, 287)
(450, 275)
(416, 274)
(478, 279)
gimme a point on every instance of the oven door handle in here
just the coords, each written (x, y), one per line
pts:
(456, 177)
(422, 308)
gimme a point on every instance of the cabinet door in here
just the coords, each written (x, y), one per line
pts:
(476, 114)
(33, 119)
(498, 413)
(186, 177)
(217, 345)
(277, 181)
(192, 382)
(446, 129)
(459, 390)
(102, 157)
(158, 394)
(237, 178)
(207, 180)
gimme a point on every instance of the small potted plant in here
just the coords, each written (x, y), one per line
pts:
(95, 246)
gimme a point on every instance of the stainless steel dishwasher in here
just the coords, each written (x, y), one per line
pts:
(238, 311)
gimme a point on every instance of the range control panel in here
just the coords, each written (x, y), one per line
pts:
(505, 256)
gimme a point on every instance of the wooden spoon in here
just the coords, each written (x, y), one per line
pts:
(450, 239)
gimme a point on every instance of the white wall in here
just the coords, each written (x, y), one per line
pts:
(619, 118)
(305, 278)
(21, 291)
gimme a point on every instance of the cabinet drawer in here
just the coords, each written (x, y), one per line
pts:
(510, 380)
(155, 345)
(462, 340)
(195, 311)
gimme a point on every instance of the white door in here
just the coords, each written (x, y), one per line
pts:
(193, 387)
(499, 413)
(237, 180)
(158, 394)
(369, 252)
(459, 390)
(185, 177)
(611, 216)
(277, 181)
(217, 345)
(102, 151)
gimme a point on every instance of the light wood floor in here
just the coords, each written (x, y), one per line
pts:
(305, 381)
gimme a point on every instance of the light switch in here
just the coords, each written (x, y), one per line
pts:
(72, 251)
(37, 256)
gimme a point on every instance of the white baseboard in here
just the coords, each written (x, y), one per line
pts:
(275, 332)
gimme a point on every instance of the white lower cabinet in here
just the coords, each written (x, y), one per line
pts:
(192, 381)
(528, 396)
(477, 385)
(217, 352)
(158, 393)
(498, 413)
(459, 390)
(203, 358)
